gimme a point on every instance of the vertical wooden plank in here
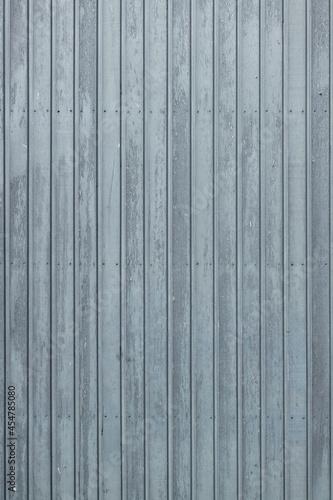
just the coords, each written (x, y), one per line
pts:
(330, 241)
(239, 258)
(133, 298)
(285, 270)
(16, 175)
(76, 229)
(123, 263)
(202, 249)
(272, 250)
(226, 247)
(308, 235)
(39, 249)
(249, 223)
(3, 408)
(62, 246)
(215, 242)
(109, 249)
(156, 249)
(180, 245)
(296, 349)
(193, 341)
(86, 241)
(318, 67)
(168, 222)
(169, 277)
(6, 114)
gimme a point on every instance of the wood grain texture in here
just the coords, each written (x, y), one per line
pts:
(318, 260)
(226, 201)
(180, 116)
(2, 249)
(62, 252)
(165, 251)
(39, 263)
(202, 331)
(109, 255)
(85, 240)
(133, 251)
(16, 196)
(296, 263)
(271, 243)
(155, 194)
(249, 290)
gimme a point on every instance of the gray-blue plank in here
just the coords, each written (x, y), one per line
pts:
(39, 210)
(62, 252)
(296, 413)
(225, 206)
(133, 245)
(109, 288)
(155, 133)
(2, 247)
(318, 260)
(86, 228)
(16, 241)
(202, 269)
(271, 116)
(249, 255)
(179, 110)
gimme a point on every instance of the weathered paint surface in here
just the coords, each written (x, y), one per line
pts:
(166, 273)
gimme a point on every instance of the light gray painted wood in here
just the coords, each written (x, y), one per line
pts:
(226, 243)
(202, 331)
(39, 263)
(318, 92)
(330, 239)
(271, 241)
(180, 268)
(62, 253)
(109, 256)
(16, 223)
(165, 221)
(86, 251)
(2, 244)
(296, 262)
(133, 247)
(156, 396)
(248, 265)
